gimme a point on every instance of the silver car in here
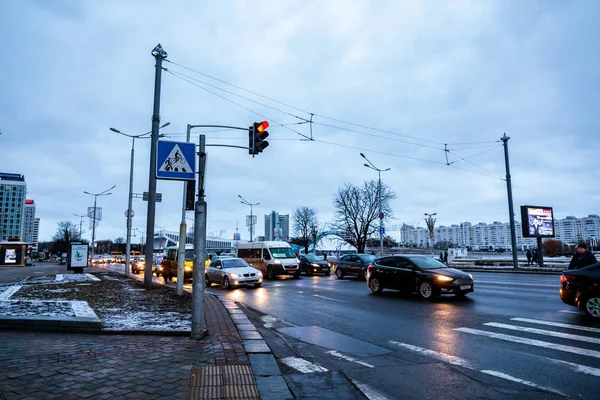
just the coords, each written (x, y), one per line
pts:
(231, 273)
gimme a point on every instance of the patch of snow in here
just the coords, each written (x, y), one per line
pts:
(82, 309)
(147, 321)
(5, 295)
(36, 308)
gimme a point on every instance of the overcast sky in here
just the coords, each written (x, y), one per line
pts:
(412, 76)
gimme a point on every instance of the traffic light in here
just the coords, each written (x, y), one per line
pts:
(256, 137)
(190, 195)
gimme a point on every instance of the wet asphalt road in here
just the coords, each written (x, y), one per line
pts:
(478, 333)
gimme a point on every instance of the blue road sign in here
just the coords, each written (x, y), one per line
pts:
(382, 230)
(176, 160)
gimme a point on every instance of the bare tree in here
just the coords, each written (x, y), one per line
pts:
(356, 210)
(66, 231)
(305, 223)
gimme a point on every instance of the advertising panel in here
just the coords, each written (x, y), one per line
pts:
(10, 257)
(79, 255)
(537, 221)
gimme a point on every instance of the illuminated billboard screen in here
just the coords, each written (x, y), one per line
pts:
(537, 221)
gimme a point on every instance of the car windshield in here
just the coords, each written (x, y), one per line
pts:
(313, 258)
(189, 254)
(282, 252)
(368, 258)
(234, 263)
(427, 263)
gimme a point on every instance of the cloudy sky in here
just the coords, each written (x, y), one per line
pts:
(400, 81)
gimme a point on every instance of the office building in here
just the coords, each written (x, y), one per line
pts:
(36, 233)
(277, 226)
(12, 200)
(28, 221)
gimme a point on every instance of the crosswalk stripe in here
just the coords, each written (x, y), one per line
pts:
(369, 392)
(302, 365)
(347, 358)
(557, 324)
(524, 382)
(532, 342)
(584, 369)
(545, 332)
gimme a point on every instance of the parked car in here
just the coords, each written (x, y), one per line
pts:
(352, 264)
(581, 288)
(311, 264)
(231, 273)
(417, 273)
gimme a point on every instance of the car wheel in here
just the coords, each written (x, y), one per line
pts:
(339, 274)
(226, 284)
(207, 281)
(363, 275)
(425, 290)
(592, 307)
(258, 284)
(270, 273)
(375, 285)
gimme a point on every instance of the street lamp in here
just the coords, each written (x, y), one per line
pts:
(430, 221)
(381, 228)
(129, 211)
(80, 223)
(246, 202)
(96, 195)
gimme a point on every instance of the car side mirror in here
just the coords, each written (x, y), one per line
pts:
(250, 265)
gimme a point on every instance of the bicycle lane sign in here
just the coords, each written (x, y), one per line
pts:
(175, 160)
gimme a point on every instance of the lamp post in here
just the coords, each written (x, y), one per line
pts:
(381, 228)
(80, 224)
(129, 211)
(96, 195)
(430, 221)
(246, 202)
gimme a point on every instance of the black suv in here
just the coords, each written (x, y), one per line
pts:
(417, 273)
(312, 264)
(581, 288)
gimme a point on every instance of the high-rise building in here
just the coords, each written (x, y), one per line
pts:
(277, 226)
(36, 233)
(12, 200)
(28, 220)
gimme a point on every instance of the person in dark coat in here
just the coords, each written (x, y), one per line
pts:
(534, 257)
(529, 256)
(582, 257)
(166, 269)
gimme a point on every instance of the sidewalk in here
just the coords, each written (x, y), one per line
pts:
(231, 362)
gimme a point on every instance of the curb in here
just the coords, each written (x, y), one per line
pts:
(270, 382)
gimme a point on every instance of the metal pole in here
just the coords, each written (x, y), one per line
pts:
(251, 224)
(198, 323)
(540, 252)
(513, 235)
(94, 227)
(182, 236)
(152, 172)
(129, 212)
(380, 219)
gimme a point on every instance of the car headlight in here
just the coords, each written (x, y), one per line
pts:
(277, 261)
(234, 275)
(329, 264)
(314, 264)
(188, 269)
(444, 278)
(471, 276)
(259, 274)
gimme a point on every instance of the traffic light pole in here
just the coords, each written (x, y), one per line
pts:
(198, 322)
(513, 233)
(182, 234)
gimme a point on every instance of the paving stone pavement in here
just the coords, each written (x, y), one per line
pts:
(48, 365)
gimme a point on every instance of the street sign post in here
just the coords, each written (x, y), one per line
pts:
(176, 160)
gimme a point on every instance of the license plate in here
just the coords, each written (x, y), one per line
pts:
(465, 287)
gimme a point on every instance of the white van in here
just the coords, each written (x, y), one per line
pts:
(271, 258)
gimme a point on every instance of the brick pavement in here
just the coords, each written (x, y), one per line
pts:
(47, 365)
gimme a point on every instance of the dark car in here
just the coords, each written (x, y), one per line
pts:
(581, 288)
(353, 264)
(417, 273)
(312, 264)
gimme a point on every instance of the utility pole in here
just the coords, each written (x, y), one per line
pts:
(381, 227)
(81, 217)
(182, 233)
(246, 202)
(159, 55)
(513, 234)
(198, 323)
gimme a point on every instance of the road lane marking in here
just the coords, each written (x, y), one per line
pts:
(557, 324)
(302, 365)
(329, 298)
(368, 391)
(461, 362)
(531, 342)
(545, 332)
(348, 358)
(569, 311)
(464, 363)
(556, 286)
(512, 378)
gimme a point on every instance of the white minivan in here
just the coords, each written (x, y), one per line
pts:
(272, 258)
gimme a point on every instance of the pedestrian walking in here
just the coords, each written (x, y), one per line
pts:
(529, 256)
(534, 257)
(446, 257)
(582, 257)
(441, 256)
(166, 269)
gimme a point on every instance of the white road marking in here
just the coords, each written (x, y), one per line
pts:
(329, 298)
(584, 369)
(545, 332)
(569, 311)
(512, 378)
(348, 358)
(519, 283)
(532, 342)
(368, 391)
(464, 363)
(557, 324)
(461, 362)
(9, 292)
(302, 365)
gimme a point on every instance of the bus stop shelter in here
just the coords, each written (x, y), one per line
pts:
(12, 254)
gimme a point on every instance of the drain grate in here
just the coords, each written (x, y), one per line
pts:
(223, 382)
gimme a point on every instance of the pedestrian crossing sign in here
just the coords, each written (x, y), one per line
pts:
(175, 160)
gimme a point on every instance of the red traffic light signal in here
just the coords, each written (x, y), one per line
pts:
(256, 137)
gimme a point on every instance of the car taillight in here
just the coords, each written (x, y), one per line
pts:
(370, 267)
(566, 278)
